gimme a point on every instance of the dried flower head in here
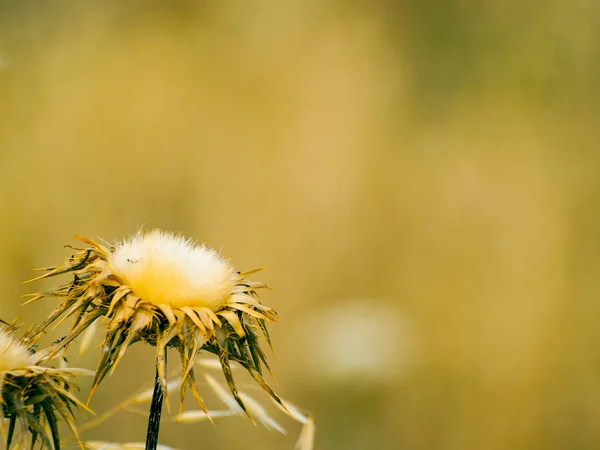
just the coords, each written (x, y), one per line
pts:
(167, 291)
(37, 397)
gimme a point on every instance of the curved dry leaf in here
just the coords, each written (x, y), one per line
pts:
(306, 441)
(261, 414)
(224, 395)
(197, 415)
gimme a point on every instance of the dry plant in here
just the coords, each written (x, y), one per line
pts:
(35, 396)
(169, 292)
(305, 441)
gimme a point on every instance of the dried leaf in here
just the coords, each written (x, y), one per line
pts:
(306, 441)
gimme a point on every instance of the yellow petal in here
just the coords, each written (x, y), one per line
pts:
(118, 295)
(206, 320)
(192, 315)
(168, 312)
(247, 310)
(234, 320)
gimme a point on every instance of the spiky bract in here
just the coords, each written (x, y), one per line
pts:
(164, 290)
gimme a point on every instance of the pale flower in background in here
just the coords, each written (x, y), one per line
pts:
(366, 339)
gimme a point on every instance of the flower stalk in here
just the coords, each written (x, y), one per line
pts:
(155, 413)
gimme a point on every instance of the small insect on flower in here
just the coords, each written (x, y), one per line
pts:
(37, 397)
(167, 291)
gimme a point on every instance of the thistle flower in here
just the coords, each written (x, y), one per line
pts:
(166, 291)
(35, 396)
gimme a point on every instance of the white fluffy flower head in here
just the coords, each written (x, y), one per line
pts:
(13, 354)
(162, 268)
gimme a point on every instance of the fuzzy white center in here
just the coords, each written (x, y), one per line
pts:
(162, 268)
(13, 354)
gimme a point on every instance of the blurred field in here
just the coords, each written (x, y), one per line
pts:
(419, 178)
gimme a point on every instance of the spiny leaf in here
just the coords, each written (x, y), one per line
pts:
(78, 261)
(224, 359)
(52, 423)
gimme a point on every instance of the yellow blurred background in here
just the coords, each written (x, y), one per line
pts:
(420, 179)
